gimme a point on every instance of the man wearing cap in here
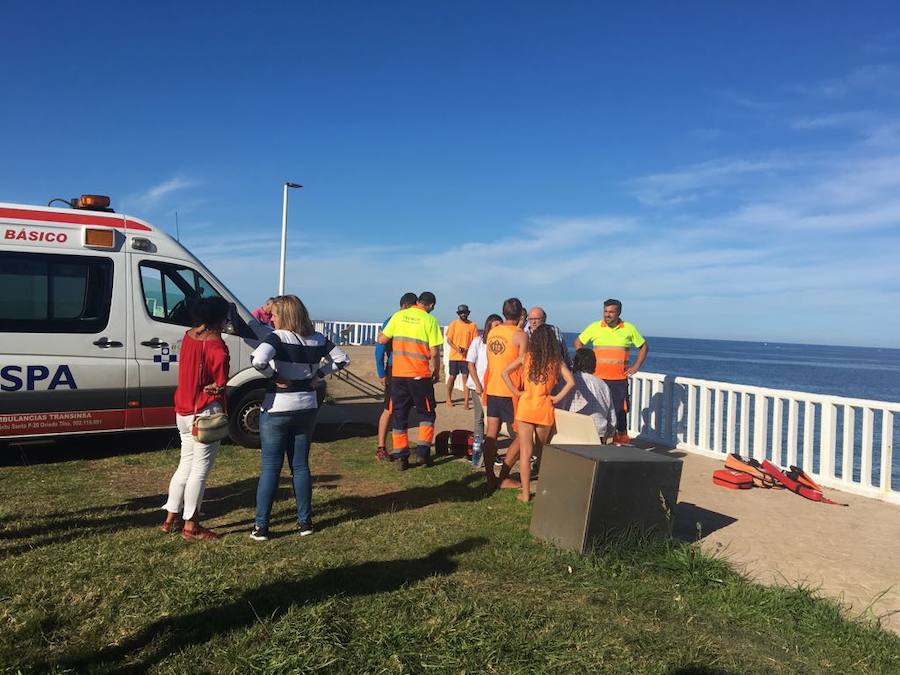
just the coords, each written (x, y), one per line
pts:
(459, 336)
(612, 339)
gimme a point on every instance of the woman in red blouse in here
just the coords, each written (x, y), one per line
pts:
(203, 364)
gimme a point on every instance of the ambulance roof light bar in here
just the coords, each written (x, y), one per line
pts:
(86, 203)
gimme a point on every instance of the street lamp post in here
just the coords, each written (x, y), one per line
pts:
(287, 185)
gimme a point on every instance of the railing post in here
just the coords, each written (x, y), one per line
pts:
(868, 428)
(731, 422)
(719, 396)
(691, 415)
(777, 421)
(703, 440)
(887, 450)
(745, 424)
(670, 412)
(849, 437)
(827, 440)
(793, 426)
(760, 424)
(809, 423)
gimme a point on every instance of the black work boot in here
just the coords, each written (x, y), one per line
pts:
(404, 463)
(423, 456)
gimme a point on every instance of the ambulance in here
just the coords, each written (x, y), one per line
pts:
(93, 310)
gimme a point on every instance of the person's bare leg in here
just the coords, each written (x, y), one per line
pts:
(542, 435)
(526, 445)
(491, 429)
(509, 461)
(383, 422)
(467, 404)
(451, 380)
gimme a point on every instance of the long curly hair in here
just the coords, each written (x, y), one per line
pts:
(544, 352)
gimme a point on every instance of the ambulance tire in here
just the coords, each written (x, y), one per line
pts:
(243, 418)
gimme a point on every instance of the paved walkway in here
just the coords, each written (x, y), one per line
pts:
(849, 553)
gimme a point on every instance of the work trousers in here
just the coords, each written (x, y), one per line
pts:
(407, 393)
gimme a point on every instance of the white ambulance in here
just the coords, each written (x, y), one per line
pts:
(93, 309)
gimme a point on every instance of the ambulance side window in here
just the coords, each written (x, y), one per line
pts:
(168, 289)
(49, 293)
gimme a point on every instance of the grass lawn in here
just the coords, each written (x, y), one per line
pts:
(418, 572)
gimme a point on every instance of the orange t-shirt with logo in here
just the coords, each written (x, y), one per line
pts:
(461, 333)
(501, 351)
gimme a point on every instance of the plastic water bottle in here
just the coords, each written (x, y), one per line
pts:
(476, 452)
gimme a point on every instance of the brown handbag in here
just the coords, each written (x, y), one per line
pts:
(209, 428)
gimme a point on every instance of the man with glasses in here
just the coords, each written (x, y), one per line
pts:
(460, 334)
(537, 317)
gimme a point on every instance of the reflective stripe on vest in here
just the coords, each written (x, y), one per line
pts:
(410, 357)
(611, 362)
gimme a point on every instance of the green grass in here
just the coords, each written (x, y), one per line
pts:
(416, 572)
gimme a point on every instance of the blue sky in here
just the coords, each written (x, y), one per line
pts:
(728, 171)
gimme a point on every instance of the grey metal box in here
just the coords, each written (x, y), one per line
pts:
(585, 491)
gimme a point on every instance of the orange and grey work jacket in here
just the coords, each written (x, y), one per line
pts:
(611, 347)
(413, 332)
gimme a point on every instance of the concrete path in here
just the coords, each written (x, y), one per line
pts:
(848, 553)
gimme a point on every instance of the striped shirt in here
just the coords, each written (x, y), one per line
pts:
(591, 397)
(295, 360)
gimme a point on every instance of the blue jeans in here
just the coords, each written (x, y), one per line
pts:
(285, 434)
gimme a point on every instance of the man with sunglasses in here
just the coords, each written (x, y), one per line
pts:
(460, 334)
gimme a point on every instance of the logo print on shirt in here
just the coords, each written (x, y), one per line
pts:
(164, 358)
(497, 346)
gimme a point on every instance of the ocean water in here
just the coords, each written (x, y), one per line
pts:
(856, 372)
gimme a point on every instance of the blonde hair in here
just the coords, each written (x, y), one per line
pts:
(293, 315)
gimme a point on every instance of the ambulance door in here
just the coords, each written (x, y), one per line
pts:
(163, 288)
(62, 342)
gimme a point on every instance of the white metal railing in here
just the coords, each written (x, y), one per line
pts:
(843, 443)
(349, 332)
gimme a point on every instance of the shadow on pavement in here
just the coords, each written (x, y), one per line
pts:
(693, 522)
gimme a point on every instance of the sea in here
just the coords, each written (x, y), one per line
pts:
(855, 372)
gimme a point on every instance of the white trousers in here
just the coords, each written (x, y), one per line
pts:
(189, 480)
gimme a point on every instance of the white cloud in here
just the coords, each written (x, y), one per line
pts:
(874, 78)
(154, 196)
(684, 185)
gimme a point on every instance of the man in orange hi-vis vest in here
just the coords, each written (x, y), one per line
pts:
(415, 338)
(611, 340)
(459, 336)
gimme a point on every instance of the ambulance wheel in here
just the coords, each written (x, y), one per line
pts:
(243, 423)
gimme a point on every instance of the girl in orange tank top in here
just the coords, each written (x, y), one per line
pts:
(541, 367)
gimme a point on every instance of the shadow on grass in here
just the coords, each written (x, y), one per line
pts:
(470, 488)
(88, 447)
(333, 512)
(167, 636)
(138, 512)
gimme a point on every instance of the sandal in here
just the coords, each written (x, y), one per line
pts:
(199, 534)
(172, 525)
